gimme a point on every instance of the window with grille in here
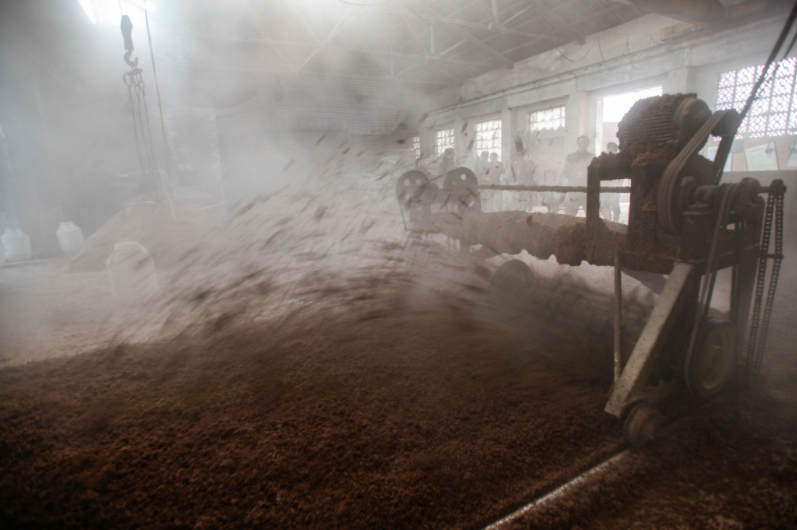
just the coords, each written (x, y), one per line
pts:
(547, 119)
(774, 112)
(488, 137)
(416, 146)
(444, 140)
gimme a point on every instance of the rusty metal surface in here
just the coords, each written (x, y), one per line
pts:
(557, 189)
(540, 234)
(642, 360)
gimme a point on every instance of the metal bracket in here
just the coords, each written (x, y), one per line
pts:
(650, 344)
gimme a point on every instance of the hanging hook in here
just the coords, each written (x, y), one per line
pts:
(127, 34)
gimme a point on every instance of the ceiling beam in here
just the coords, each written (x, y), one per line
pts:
(432, 14)
(606, 9)
(702, 11)
(566, 28)
(275, 43)
(226, 68)
(503, 60)
(337, 28)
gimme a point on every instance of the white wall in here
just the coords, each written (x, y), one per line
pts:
(628, 57)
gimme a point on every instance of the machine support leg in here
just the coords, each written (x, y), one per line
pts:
(637, 371)
(618, 316)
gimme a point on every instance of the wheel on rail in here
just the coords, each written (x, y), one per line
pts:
(462, 185)
(410, 187)
(712, 362)
(510, 286)
(641, 424)
(426, 255)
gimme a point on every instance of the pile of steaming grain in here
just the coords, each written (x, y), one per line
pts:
(733, 468)
(375, 409)
(341, 217)
(167, 230)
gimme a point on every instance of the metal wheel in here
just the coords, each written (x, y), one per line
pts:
(463, 186)
(641, 425)
(673, 194)
(712, 363)
(510, 286)
(410, 186)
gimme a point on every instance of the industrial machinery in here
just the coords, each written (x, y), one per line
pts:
(685, 226)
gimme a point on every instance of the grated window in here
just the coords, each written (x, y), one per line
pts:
(547, 119)
(774, 112)
(488, 137)
(444, 140)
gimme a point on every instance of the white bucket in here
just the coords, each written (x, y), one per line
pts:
(70, 237)
(133, 277)
(16, 244)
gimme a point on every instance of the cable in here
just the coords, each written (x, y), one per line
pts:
(135, 127)
(158, 92)
(770, 60)
(727, 141)
(631, 55)
(577, 60)
(600, 49)
(726, 193)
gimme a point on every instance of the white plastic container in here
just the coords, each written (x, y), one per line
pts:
(133, 277)
(16, 244)
(70, 237)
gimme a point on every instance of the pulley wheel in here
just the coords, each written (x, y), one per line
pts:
(712, 362)
(510, 285)
(641, 425)
(673, 193)
(463, 187)
(410, 187)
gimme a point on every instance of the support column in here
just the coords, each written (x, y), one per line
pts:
(427, 143)
(462, 137)
(508, 132)
(680, 81)
(575, 120)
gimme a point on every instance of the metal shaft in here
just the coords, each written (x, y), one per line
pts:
(558, 189)
(618, 316)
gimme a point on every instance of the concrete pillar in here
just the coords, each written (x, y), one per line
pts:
(591, 124)
(680, 81)
(461, 138)
(427, 142)
(575, 120)
(508, 132)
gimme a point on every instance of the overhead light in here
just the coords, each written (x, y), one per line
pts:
(89, 10)
(108, 11)
(144, 5)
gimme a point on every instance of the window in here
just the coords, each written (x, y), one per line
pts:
(416, 146)
(488, 137)
(444, 140)
(616, 106)
(774, 113)
(547, 119)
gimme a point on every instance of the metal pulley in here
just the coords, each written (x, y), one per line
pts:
(463, 187)
(711, 366)
(689, 170)
(410, 187)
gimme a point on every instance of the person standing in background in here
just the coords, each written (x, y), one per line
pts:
(610, 202)
(528, 179)
(421, 166)
(482, 163)
(575, 174)
(516, 175)
(448, 162)
(496, 173)
(481, 171)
